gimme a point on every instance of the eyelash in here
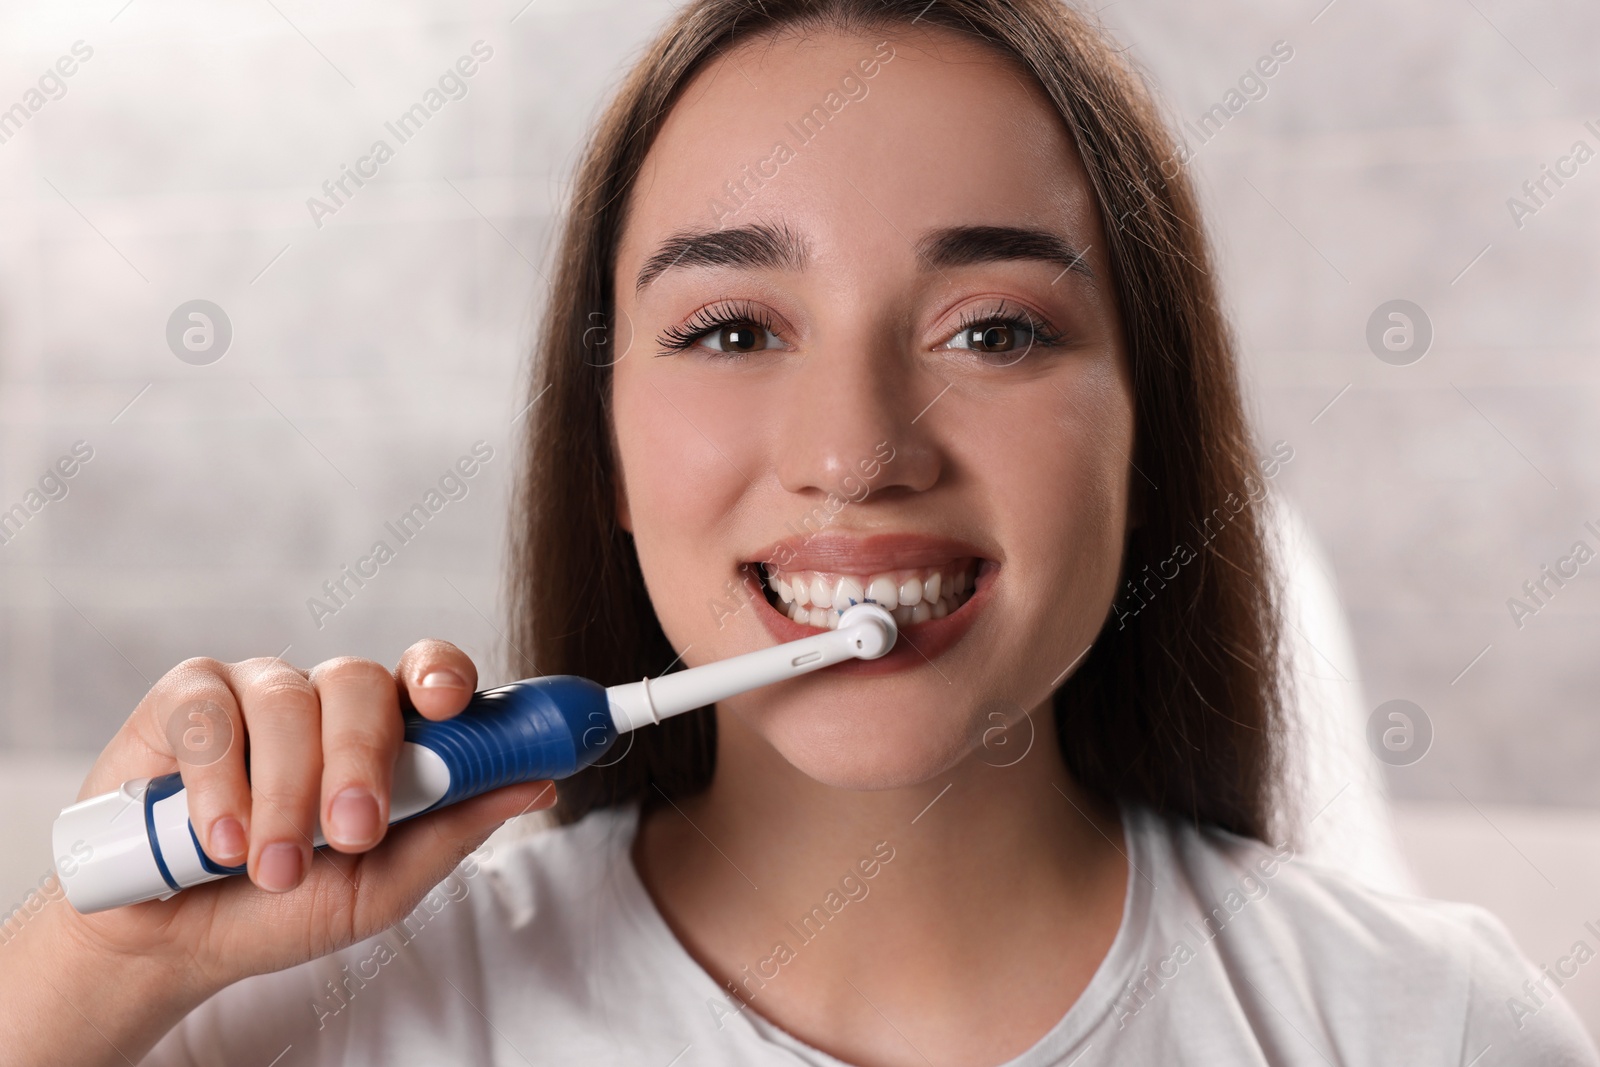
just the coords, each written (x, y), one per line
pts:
(709, 318)
(1043, 334)
(732, 313)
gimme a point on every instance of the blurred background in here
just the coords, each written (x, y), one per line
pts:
(349, 356)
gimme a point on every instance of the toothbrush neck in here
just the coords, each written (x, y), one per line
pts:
(651, 700)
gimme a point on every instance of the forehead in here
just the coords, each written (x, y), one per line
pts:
(860, 140)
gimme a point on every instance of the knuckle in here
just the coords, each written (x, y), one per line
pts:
(258, 664)
(284, 802)
(370, 737)
(212, 790)
(352, 670)
(197, 665)
(281, 693)
(198, 676)
(285, 686)
(351, 748)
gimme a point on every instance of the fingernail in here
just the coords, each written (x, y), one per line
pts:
(278, 869)
(227, 838)
(353, 817)
(443, 679)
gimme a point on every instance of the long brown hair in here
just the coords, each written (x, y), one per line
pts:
(1177, 705)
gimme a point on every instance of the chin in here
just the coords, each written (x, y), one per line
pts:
(864, 734)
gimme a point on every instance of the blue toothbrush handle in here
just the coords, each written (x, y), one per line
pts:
(138, 844)
(543, 728)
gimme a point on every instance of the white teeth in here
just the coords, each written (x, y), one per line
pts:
(883, 592)
(817, 599)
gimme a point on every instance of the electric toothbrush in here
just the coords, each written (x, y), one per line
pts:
(137, 843)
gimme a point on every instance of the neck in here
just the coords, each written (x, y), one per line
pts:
(823, 908)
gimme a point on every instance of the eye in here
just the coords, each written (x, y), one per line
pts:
(740, 337)
(735, 329)
(1010, 335)
(992, 337)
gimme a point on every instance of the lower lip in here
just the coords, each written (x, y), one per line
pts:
(917, 645)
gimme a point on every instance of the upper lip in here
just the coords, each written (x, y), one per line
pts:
(843, 553)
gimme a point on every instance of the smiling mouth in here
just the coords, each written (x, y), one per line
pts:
(913, 594)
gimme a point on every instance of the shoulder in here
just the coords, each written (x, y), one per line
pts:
(1402, 969)
(1230, 875)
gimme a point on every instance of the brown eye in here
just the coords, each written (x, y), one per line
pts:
(1000, 334)
(730, 328)
(998, 337)
(741, 337)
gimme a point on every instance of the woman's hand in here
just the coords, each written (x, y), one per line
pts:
(322, 747)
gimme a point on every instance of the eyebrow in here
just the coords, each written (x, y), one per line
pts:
(961, 246)
(758, 245)
(777, 247)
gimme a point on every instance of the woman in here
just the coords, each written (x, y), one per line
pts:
(895, 301)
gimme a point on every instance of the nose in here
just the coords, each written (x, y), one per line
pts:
(855, 423)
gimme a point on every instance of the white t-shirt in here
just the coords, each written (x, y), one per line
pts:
(550, 951)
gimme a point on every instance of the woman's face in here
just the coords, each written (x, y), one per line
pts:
(868, 349)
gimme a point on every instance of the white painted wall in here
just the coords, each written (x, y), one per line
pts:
(371, 352)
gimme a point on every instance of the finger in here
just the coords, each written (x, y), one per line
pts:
(361, 733)
(282, 717)
(437, 678)
(355, 896)
(140, 748)
(199, 720)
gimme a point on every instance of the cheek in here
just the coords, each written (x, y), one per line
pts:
(1059, 468)
(1095, 424)
(680, 456)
